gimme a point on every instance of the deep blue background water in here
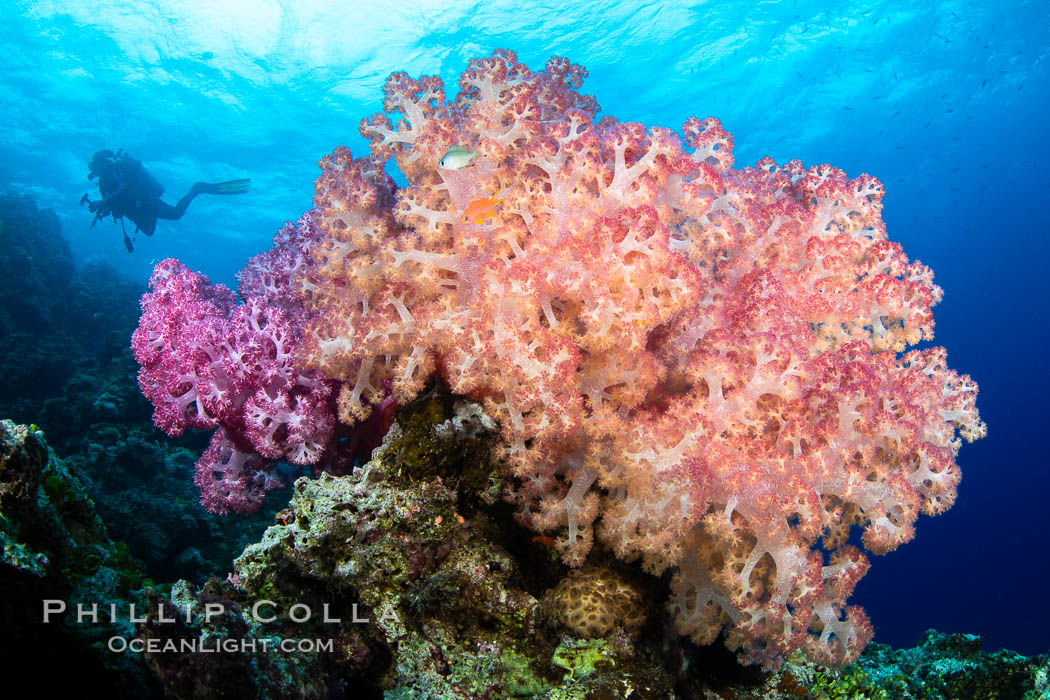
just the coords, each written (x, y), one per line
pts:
(946, 102)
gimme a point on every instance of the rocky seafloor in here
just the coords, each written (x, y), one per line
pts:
(406, 579)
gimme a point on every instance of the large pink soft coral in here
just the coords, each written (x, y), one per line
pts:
(703, 359)
(695, 365)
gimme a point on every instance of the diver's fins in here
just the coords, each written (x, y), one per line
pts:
(228, 187)
(128, 244)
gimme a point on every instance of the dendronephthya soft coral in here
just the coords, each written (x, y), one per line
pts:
(696, 365)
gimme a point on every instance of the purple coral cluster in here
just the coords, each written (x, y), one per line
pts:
(209, 362)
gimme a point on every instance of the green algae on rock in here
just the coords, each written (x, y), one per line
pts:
(54, 547)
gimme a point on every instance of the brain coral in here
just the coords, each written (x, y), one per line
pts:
(593, 602)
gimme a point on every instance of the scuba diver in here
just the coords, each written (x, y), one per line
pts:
(128, 190)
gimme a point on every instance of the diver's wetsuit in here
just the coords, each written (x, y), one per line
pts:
(144, 212)
(128, 190)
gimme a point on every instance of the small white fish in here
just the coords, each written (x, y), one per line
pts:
(456, 158)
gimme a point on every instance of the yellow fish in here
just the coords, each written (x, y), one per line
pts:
(481, 209)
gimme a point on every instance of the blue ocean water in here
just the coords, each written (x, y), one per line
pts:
(945, 102)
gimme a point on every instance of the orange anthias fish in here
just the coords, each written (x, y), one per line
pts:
(545, 541)
(481, 209)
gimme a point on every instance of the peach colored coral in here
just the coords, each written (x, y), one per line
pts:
(695, 365)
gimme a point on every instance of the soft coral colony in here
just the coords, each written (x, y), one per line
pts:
(696, 365)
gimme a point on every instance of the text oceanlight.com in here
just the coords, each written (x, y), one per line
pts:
(215, 645)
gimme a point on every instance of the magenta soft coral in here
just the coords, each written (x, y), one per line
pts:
(208, 362)
(695, 366)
